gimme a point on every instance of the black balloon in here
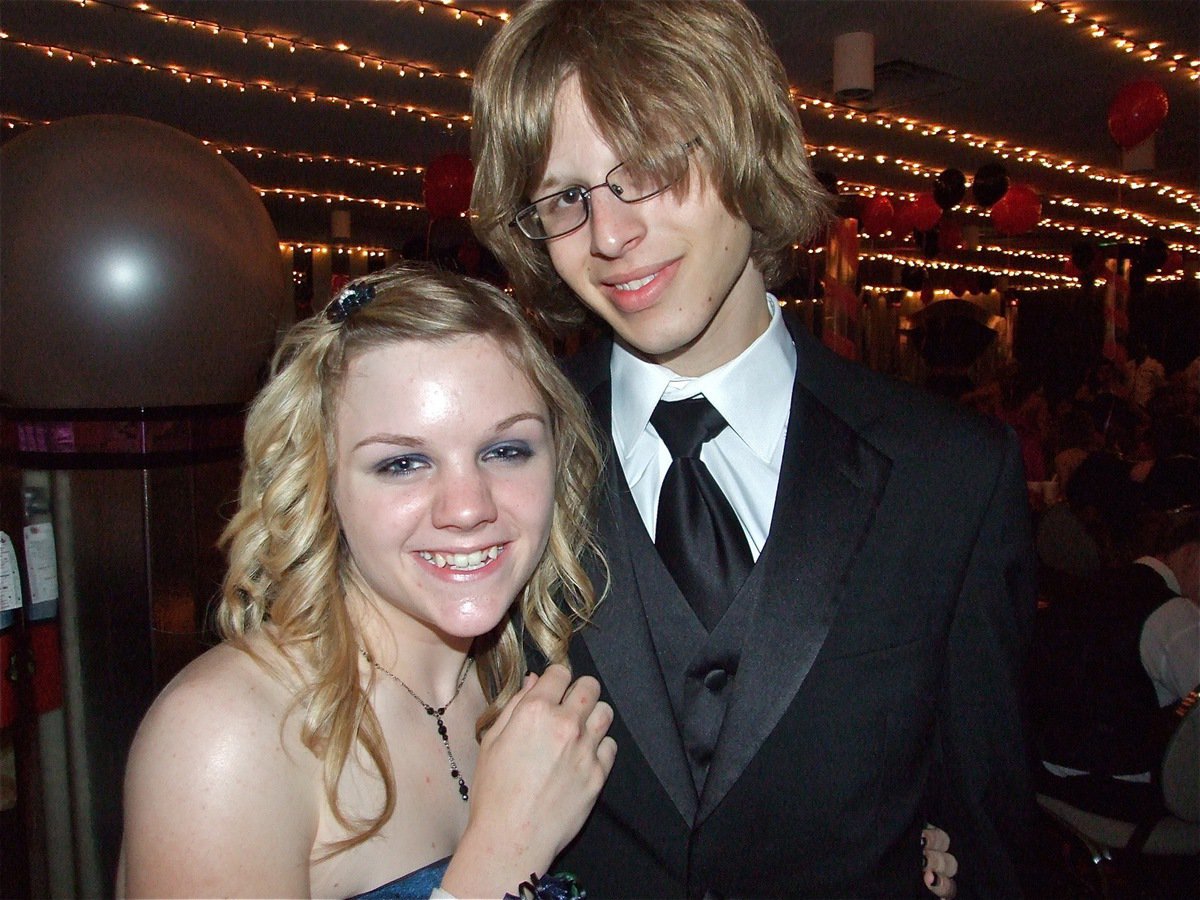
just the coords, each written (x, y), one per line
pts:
(949, 188)
(990, 184)
(928, 242)
(1083, 255)
(912, 278)
(1154, 254)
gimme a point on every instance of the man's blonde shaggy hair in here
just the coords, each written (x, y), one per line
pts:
(653, 75)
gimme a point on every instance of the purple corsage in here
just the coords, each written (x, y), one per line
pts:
(559, 886)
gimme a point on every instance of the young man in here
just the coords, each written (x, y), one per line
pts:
(795, 695)
(1115, 657)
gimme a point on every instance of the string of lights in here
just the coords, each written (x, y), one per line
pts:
(928, 172)
(967, 211)
(998, 147)
(1147, 51)
(912, 259)
(273, 41)
(830, 110)
(924, 170)
(480, 15)
(224, 148)
(301, 195)
(94, 58)
(909, 166)
(316, 247)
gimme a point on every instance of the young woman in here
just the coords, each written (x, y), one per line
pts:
(416, 490)
(415, 503)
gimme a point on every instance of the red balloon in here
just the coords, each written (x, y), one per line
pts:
(959, 283)
(1174, 262)
(925, 212)
(448, 180)
(949, 234)
(903, 224)
(1136, 112)
(1018, 210)
(878, 215)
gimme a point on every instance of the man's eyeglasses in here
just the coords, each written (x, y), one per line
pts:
(563, 211)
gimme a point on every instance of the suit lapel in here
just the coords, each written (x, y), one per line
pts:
(618, 637)
(828, 491)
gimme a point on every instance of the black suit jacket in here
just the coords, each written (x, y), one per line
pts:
(879, 683)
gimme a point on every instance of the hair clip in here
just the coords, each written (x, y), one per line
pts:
(349, 300)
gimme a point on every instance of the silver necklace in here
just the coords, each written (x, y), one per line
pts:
(436, 713)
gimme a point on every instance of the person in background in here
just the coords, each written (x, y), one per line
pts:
(1143, 373)
(820, 584)
(416, 487)
(1112, 659)
(1094, 528)
(1169, 645)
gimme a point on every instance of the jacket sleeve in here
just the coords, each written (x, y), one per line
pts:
(981, 781)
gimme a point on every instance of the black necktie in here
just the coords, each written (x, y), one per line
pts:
(698, 534)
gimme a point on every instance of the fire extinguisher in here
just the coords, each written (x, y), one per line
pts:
(44, 648)
(11, 831)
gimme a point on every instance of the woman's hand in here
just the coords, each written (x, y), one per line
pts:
(540, 769)
(937, 862)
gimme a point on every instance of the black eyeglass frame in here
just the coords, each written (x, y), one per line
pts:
(530, 210)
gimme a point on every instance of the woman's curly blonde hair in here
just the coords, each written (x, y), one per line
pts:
(289, 576)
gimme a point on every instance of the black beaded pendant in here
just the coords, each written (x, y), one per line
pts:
(463, 790)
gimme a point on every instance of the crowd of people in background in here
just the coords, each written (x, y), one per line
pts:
(1113, 471)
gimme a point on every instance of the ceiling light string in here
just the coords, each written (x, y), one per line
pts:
(1154, 52)
(843, 154)
(998, 147)
(337, 249)
(272, 41)
(12, 121)
(866, 189)
(423, 114)
(925, 170)
(303, 195)
(460, 13)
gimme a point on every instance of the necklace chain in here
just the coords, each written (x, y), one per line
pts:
(436, 713)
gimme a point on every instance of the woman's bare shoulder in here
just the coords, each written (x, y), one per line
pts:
(217, 772)
(226, 683)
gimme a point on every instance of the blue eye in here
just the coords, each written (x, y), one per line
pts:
(509, 452)
(401, 465)
(570, 196)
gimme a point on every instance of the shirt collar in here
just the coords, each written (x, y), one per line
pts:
(765, 371)
(1164, 572)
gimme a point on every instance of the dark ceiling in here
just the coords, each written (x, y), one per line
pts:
(990, 68)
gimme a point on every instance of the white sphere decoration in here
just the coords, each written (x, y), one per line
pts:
(137, 268)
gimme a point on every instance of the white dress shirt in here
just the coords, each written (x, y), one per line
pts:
(753, 392)
(1170, 641)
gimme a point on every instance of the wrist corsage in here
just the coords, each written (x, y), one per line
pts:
(559, 886)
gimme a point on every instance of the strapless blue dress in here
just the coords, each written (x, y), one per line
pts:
(416, 885)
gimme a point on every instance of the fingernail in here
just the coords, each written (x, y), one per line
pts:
(923, 839)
